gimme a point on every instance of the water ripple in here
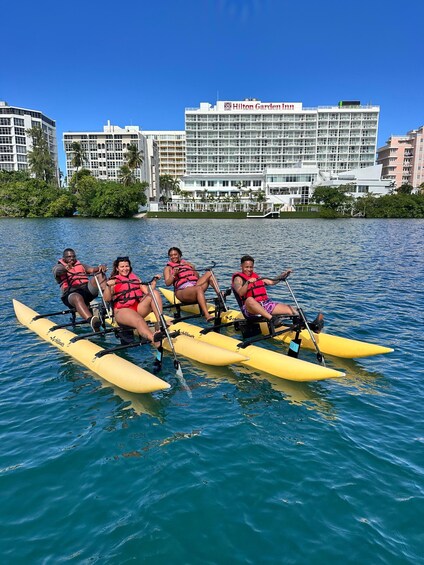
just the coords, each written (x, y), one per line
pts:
(251, 469)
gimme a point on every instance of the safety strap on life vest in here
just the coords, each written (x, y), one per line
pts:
(72, 278)
(255, 289)
(185, 273)
(127, 291)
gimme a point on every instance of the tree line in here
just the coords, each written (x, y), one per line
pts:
(36, 192)
(336, 202)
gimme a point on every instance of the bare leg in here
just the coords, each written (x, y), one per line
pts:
(195, 294)
(209, 280)
(285, 309)
(128, 317)
(253, 307)
(77, 302)
(92, 285)
(147, 305)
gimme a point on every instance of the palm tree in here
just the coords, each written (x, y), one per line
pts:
(78, 159)
(126, 175)
(134, 157)
(169, 185)
(39, 158)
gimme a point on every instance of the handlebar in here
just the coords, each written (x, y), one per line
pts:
(155, 278)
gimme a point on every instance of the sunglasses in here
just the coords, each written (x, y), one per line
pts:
(119, 259)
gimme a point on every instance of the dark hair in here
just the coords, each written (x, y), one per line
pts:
(67, 250)
(246, 258)
(180, 253)
(118, 260)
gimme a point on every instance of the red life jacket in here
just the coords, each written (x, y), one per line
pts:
(255, 289)
(74, 277)
(127, 291)
(184, 274)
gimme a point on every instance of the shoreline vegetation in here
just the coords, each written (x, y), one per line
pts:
(22, 196)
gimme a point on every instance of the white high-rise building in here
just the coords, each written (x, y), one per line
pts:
(105, 154)
(237, 148)
(249, 136)
(15, 143)
(171, 146)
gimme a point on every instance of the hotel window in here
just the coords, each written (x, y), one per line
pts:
(5, 121)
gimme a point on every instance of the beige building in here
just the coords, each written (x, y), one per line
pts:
(172, 152)
(105, 154)
(402, 158)
(14, 140)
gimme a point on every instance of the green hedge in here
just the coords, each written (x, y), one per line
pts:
(229, 215)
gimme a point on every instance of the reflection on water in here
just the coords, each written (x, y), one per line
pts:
(331, 263)
(139, 470)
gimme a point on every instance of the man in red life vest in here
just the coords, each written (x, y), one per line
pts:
(249, 289)
(77, 289)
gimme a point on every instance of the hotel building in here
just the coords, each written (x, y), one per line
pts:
(402, 158)
(171, 146)
(240, 145)
(105, 154)
(15, 143)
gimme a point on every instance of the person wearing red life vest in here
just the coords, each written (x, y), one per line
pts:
(131, 299)
(250, 291)
(77, 288)
(189, 287)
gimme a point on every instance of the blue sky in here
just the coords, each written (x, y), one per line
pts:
(85, 62)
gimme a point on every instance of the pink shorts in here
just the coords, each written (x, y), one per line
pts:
(268, 304)
(186, 285)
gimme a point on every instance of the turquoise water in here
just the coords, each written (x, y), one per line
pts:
(251, 468)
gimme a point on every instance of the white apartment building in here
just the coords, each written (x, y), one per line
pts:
(105, 154)
(15, 142)
(237, 141)
(172, 155)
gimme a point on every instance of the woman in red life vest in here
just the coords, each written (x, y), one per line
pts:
(188, 286)
(77, 289)
(250, 289)
(131, 299)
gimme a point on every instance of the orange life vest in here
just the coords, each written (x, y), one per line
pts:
(184, 274)
(127, 291)
(255, 289)
(76, 276)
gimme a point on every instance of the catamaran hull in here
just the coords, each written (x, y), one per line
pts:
(327, 343)
(205, 353)
(261, 359)
(112, 368)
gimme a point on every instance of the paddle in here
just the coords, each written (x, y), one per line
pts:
(320, 356)
(108, 311)
(164, 328)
